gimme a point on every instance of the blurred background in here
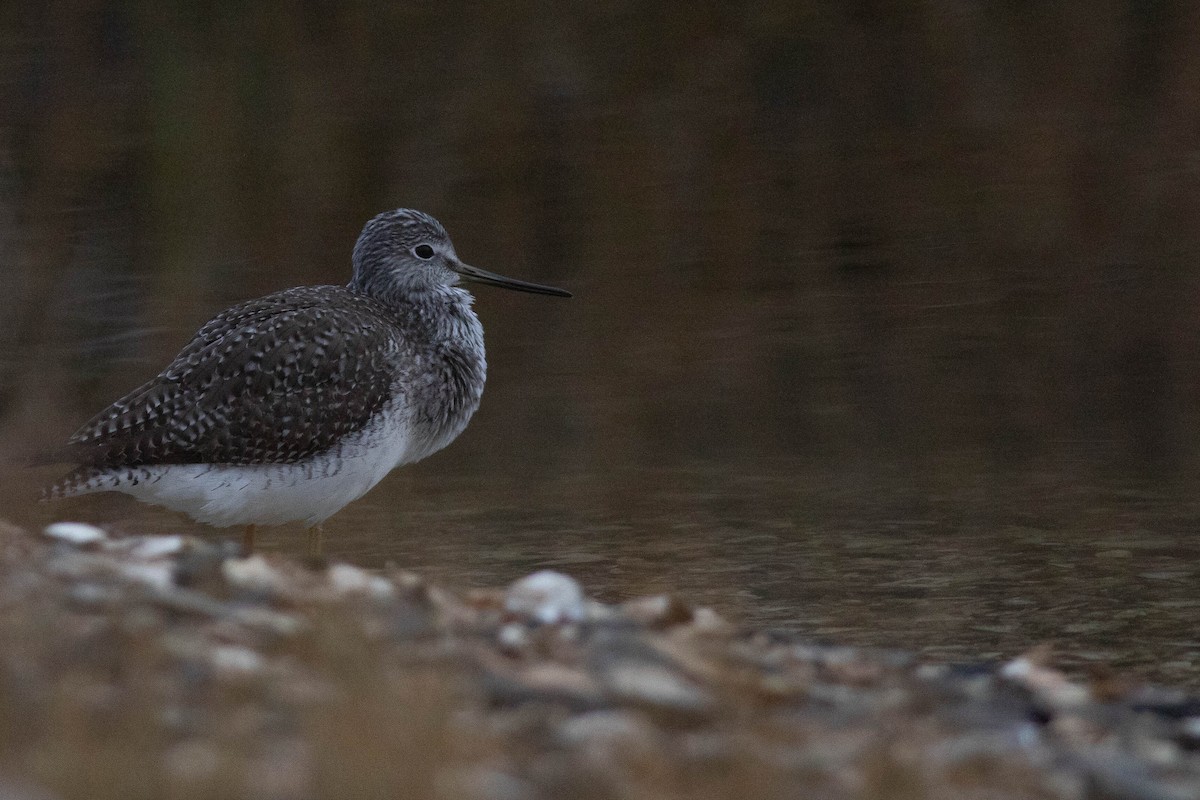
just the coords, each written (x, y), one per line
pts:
(885, 323)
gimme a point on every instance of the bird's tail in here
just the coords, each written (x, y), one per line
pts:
(80, 480)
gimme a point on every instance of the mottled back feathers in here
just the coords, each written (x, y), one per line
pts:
(269, 381)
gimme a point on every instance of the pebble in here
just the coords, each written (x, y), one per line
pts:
(76, 533)
(86, 593)
(277, 622)
(660, 611)
(153, 547)
(159, 575)
(708, 622)
(349, 579)
(654, 685)
(594, 727)
(1048, 684)
(512, 637)
(547, 597)
(611, 742)
(235, 661)
(253, 573)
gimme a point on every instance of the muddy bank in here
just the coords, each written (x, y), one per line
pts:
(170, 667)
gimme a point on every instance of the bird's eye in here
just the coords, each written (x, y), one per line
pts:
(423, 251)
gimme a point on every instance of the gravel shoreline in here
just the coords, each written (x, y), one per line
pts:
(168, 666)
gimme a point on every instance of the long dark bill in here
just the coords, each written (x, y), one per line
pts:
(477, 275)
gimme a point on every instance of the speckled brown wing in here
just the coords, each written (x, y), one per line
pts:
(271, 381)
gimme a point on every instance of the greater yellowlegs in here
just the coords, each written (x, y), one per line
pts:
(288, 407)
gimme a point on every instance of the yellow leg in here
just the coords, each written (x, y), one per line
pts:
(248, 540)
(316, 544)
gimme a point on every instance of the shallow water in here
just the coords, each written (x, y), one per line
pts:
(1107, 577)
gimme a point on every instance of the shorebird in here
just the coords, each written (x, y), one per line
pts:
(288, 407)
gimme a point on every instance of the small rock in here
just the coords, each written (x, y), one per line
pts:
(708, 622)
(484, 601)
(512, 637)
(76, 533)
(612, 743)
(547, 597)
(349, 579)
(86, 593)
(407, 581)
(659, 611)
(153, 547)
(253, 573)
(159, 576)
(559, 680)
(655, 686)
(1045, 682)
(200, 565)
(234, 661)
(1075, 728)
(593, 727)
(275, 621)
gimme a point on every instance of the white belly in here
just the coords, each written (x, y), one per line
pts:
(271, 494)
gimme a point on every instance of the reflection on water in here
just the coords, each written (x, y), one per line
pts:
(1107, 577)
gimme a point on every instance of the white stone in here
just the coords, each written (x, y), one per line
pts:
(233, 660)
(253, 573)
(655, 685)
(76, 533)
(512, 637)
(1019, 669)
(153, 547)
(349, 579)
(1049, 684)
(157, 576)
(548, 597)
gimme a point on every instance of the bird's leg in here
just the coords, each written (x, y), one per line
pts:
(316, 544)
(248, 540)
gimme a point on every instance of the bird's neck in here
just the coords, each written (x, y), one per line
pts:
(441, 315)
(428, 313)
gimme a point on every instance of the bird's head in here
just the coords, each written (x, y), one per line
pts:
(409, 251)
